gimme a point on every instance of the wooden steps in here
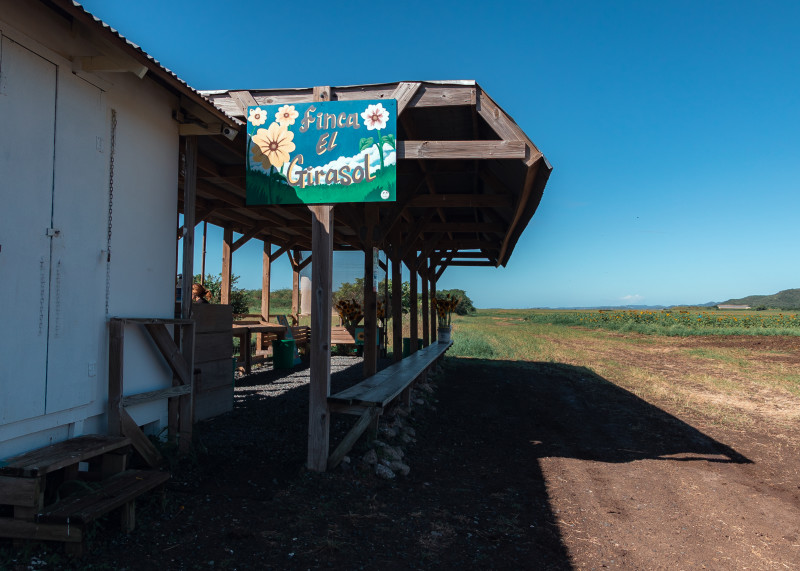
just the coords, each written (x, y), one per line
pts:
(114, 492)
(94, 468)
(60, 455)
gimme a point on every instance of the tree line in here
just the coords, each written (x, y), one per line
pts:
(249, 300)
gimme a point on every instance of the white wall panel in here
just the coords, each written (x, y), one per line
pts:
(77, 299)
(27, 116)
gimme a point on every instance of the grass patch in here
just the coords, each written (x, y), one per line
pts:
(727, 385)
(472, 346)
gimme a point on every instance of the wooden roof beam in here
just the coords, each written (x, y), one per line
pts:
(243, 100)
(256, 229)
(461, 150)
(487, 227)
(393, 216)
(278, 253)
(404, 93)
(504, 126)
(230, 198)
(444, 263)
(530, 178)
(460, 254)
(234, 215)
(468, 244)
(460, 201)
(486, 263)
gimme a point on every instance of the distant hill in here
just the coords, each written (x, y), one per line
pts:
(786, 299)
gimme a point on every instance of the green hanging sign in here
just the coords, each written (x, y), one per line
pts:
(322, 153)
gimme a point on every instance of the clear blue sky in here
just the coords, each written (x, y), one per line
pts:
(673, 127)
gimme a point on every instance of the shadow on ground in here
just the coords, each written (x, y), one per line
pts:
(572, 412)
(475, 497)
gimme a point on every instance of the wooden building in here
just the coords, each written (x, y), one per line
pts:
(90, 159)
(102, 149)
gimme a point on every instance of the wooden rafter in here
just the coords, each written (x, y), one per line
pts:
(461, 150)
(460, 200)
(404, 93)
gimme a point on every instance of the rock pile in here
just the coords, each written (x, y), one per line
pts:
(385, 457)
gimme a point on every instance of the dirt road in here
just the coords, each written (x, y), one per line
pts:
(515, 466)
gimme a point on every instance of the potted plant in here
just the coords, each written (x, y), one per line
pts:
(349, 311)
(444, 307)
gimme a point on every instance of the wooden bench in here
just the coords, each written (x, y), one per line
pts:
(302, 336)
(94, 467)
(369, 397)
(341, 337)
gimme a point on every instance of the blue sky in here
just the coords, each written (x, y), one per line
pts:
(673, 127)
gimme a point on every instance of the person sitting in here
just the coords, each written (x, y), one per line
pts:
(200, 294)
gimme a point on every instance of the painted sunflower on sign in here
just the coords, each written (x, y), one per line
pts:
(275, 143)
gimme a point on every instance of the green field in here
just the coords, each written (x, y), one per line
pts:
(680, 322)
(729, 377)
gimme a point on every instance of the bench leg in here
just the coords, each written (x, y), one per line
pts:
(74, 549)
(349, 440)
(405, 396)
(372, 431)
(127, 517)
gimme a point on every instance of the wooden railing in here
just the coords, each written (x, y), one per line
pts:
(178, 351)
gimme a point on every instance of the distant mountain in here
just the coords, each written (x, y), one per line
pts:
(786, 299)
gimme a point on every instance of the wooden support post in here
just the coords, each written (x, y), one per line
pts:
(434, 318)
(386, 308)
(426, 338)
(227, 255)
(296, 285)
(203, 255)
(115, 367)
(321, 287)
(189, 199)
(413, 311)
(186, 402)
(397, 309)
(321, 284)
(266, 268)
(370, 296)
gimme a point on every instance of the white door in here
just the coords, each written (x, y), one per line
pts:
(78, 260)
(53, 221)
(27, 131)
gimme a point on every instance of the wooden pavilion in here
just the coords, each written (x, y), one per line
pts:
(468, 182)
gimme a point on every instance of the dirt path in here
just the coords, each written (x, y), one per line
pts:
(515, 466)
(630, 486)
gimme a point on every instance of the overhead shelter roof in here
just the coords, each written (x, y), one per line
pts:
(468, 178)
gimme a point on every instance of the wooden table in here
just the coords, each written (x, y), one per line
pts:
(243, 332)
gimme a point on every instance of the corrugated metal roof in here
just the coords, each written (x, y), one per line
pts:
(77, 10)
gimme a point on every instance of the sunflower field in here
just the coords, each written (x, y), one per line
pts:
(677, 322)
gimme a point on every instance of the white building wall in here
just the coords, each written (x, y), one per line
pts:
(141, 272)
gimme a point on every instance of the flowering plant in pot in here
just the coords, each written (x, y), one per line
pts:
(349, 311)
(444, 306)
